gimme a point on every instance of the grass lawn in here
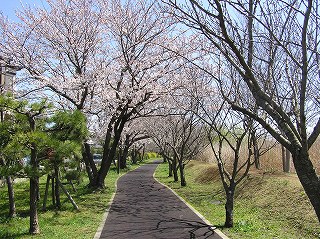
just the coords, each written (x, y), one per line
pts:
(66, 223)
(267, 206)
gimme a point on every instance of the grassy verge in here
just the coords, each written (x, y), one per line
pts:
(65, 223)
(267, 205)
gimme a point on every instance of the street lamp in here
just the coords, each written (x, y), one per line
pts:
(7, 76)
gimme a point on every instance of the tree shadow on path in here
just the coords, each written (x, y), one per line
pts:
(145, 209)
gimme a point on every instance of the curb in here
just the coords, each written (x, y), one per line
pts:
(217, 231)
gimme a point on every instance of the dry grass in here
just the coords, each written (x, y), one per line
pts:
(314, 155)
(205, 173)
(208, 174)
(271, 161)
(206, 155)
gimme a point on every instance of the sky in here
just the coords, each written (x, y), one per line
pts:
(8, 7)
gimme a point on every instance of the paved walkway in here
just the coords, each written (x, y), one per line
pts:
(145, 209)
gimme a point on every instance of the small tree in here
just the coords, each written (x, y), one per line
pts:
(229, 131)
(8, 160)
(180, 138)
(133, 134)
(189, 139)
(66, 131)
(32, 138)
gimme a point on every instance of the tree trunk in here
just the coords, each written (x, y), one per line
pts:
(287, 163)
(256, 152)
(143, 152)
(88, 168)
(34, 222)
(257, 163)
(56, 187)
(182, 176)
(170, 168)
(123, 161)
(109, 153)
(119, 161)
(125, 152)
(12, 206)
(53, 191)
(164, 159)
(88, 161)
(286, 156)
(98, 181)
(175, 170)
(89, 155)
(308, 178)
(34, 187)
(134, 155)
(229, 207)
(105, 165)
(38, 183)
(283, 156)
(45, 197)
(102, 173)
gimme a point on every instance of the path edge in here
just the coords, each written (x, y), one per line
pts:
(106, 213)
(219, 233)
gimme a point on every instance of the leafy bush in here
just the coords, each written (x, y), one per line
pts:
(151, 155)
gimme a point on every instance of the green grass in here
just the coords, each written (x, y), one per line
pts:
(266, 206)
(65, 223)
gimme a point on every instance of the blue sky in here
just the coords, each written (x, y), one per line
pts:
(8, 7)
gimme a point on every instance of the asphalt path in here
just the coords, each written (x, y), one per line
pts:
(145, 209)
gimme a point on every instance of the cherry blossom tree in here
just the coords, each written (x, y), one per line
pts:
(178, 132)
(57, 47)
(159, 132)
(271, 47)
(134, 133)
(231, 132)
(237, 141)
(132, 81)
(180, 138)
